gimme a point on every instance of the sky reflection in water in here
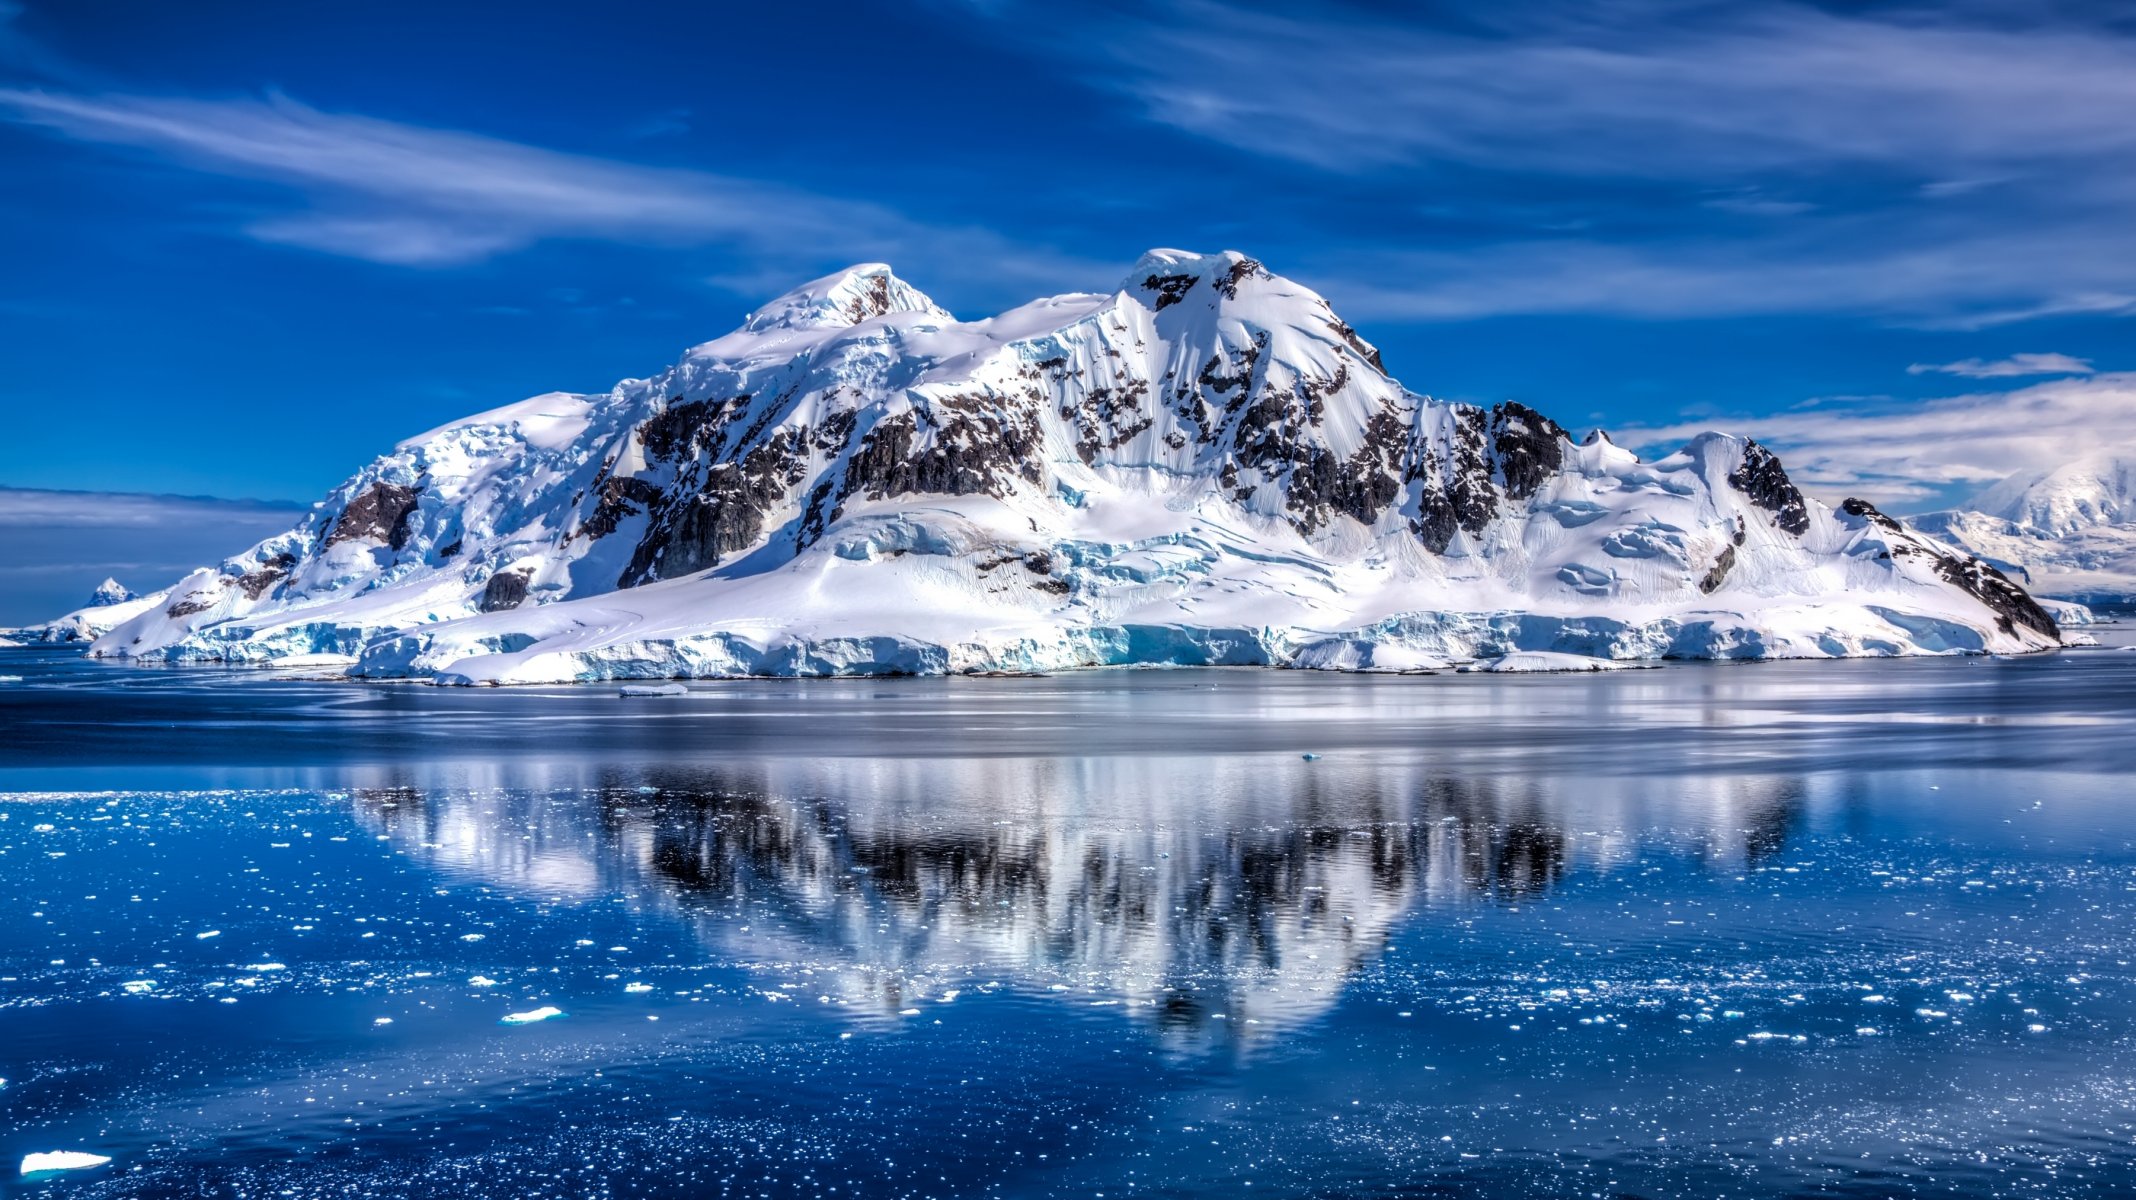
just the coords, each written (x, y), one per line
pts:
(1852, 928)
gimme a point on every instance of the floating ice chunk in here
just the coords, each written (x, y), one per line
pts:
(137, 986)
(1309, 757)
(61, 1160)
(382, 1021)
(480, 981)
(266, 966)
(635, 987)
(472, 937)
(203, 936)
(652, 689)
(532, 1015)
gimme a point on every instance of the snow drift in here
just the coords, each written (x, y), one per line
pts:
(1204, 466)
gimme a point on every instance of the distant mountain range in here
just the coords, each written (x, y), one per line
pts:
(1205, 465)
(2069, 532)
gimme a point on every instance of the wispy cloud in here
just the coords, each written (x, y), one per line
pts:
(2015, 366)
(56, 545)
(410, 195)
(1627, 87)
(1963, 166)
(1933, 451)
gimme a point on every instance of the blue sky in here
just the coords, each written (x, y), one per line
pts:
(248, 245)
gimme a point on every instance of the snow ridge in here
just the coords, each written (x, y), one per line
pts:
(2069, 532)
(1205, 465)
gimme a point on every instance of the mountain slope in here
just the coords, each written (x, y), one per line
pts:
(2068, 532)
(1205, 465)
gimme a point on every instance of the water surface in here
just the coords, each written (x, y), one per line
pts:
(1854, 929)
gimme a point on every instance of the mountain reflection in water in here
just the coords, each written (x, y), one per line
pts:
(1202, 896)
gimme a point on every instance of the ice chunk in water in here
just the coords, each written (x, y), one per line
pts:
(652, 689)
(532, 1015)
(61, 1160)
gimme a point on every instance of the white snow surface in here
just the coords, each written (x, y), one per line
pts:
(1205, 466)
(2069, 532)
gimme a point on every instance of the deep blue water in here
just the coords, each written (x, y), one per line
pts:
(1821, 929)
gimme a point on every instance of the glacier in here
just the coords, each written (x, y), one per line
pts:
(2067, 532)
(1204, 466)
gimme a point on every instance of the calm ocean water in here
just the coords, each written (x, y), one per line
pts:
(1819, 929)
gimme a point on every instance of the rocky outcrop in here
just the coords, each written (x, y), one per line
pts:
(380, 513)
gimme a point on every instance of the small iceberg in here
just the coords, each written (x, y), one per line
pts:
(531, 1016)
(629, 690)
(60, 1160)
(1310, 757)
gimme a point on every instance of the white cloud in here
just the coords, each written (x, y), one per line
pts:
(416, 196)
(1959, 167)
(1661, 90)
(56, 545)
(1937, 450)
(2015, 366)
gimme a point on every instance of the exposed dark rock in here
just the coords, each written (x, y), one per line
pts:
(384, 512)
(977, 450)
(1458, 492)
(698, 530)
(505, 589)
(873, 300)
(622, 496)
(1869, 512)
(194, 602)
(1529, 447)
(1765, 482)
(1170, 289)
(1719, 574)
(2012, 605)
(256, 582)
(1228, 283)
(1365, 350)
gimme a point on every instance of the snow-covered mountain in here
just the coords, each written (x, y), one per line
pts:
(2067, 532)
(109, 604)
(1206, 465)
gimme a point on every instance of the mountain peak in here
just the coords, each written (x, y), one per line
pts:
(109, 592)
(849, 297)
(1168, 275)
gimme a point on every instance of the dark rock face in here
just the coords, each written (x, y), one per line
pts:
(1529, 446)
(1869, 512)
(2012, 605)
(1456, 493)
(1365, 350)
(256, 582)
(1719, 574)
(1762, 478)
(385, 512)
(505, 589)
(1227, 284)
(1170, 289)
(978, 445)
(725, 514)
(621, 496)
(873, 301)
